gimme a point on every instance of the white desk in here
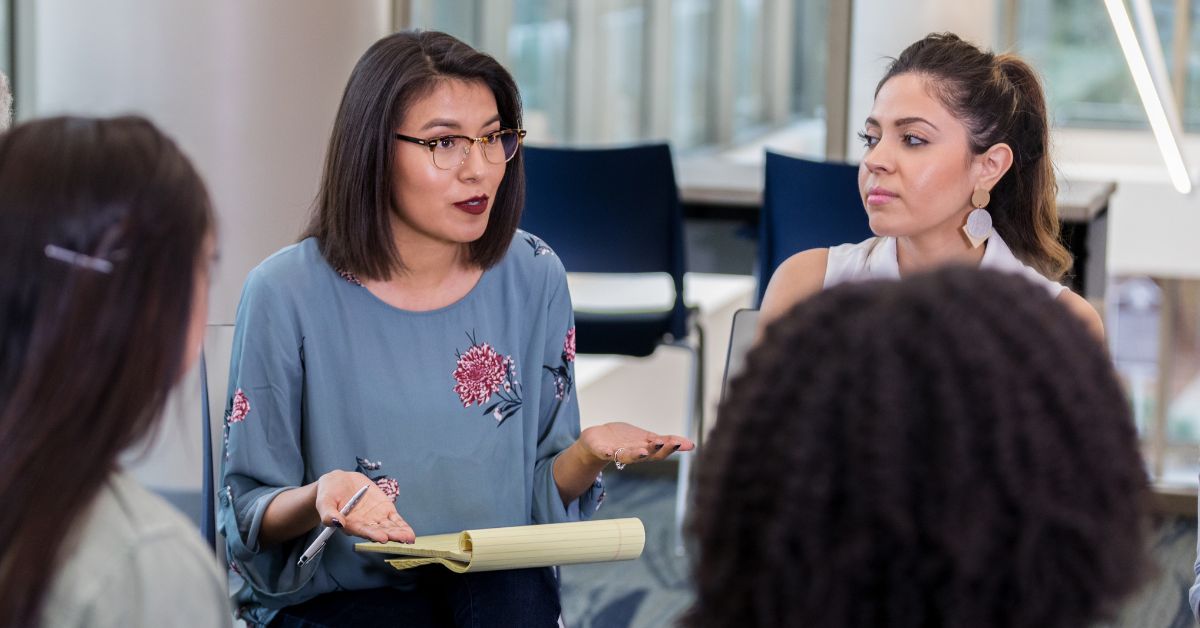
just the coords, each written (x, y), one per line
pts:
(651, 392)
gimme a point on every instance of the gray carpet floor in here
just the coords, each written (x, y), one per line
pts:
(654, 590)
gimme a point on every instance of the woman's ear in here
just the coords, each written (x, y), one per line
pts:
(992, 164)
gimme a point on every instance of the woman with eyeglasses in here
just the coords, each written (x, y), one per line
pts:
(415, 342)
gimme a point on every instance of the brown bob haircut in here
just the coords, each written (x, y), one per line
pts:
(352, 215)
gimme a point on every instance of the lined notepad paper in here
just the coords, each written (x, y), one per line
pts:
(520, 547)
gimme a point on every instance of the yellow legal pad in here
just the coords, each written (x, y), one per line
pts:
(520, 547)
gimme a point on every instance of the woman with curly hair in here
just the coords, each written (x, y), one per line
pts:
(953, 449)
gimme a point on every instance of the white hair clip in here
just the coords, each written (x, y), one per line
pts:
(78, 259)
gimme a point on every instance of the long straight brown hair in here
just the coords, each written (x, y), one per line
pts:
(89, 346)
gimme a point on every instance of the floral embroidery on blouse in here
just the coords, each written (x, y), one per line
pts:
(349, 276)
(238, 409)
(599, 485)
(539, 247)
(482, 372)
(389, 486)
(562, 372)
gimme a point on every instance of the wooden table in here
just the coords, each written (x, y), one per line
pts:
(715, 187)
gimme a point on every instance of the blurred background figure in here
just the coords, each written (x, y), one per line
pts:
(104, 266)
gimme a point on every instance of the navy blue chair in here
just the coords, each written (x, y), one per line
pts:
(616, 210)
(611, 211)
(806, 204)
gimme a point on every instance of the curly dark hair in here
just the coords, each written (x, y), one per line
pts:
(953, 449)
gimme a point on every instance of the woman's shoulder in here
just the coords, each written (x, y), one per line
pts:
(1082, 310)
(290, 265)
(797, 278)
(531, 257)
(129, 537)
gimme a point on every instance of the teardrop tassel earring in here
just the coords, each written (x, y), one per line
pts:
(979, 222)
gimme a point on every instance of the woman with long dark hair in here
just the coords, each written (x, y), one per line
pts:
(418, 344)
(956, 169)
(953, 449)
(104, 259)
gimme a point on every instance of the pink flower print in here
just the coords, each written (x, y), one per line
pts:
(482, 372)
(479, 374)
(241, 407)
(569, 346)
(389, 486)
(562, 372)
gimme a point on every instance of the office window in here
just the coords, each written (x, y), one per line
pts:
(620, 43)
(1088, 84)
(811, 52)
(457, 17)
(696, 72)
(539, 50)
(6, 38)
(749, 104)
(692, 33)
(1191, 113)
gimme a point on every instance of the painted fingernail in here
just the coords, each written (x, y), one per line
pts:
(640, 456)
(334, 522)
(677, 446)
(658, 446)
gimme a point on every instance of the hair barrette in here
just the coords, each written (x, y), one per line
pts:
(74, 258)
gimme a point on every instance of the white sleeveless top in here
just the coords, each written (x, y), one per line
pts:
(875, 258)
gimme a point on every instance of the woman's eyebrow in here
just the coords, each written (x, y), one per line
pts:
(446, 122)
(914, 120)
(904, 122)
(453, 124)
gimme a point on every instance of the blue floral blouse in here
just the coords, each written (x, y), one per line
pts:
(456, 413)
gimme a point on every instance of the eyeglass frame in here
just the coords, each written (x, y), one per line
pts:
(431, 144)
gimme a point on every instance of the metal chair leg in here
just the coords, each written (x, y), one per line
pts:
(694, 430)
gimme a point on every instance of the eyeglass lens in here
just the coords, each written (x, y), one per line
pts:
(451, 152)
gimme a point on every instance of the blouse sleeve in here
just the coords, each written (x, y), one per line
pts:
(263, 454)
(558, 418)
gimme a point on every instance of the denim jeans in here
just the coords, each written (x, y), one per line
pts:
(518, 598)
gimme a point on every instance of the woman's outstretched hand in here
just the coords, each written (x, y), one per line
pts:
(628, 444)
(374, 517)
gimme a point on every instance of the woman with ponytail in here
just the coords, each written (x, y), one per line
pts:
(957, 170)
(104, 257)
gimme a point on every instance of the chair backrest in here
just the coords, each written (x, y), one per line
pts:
(806, 205)
(610, 210)
(741, 338)
(214, 383)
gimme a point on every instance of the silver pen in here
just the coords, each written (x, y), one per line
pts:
(319, 544)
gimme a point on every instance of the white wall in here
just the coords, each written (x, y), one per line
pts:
(248, 89)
